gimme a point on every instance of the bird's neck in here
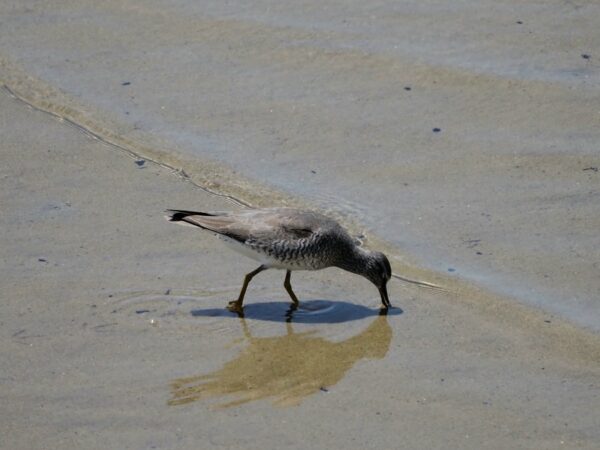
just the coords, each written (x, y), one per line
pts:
(357, 261)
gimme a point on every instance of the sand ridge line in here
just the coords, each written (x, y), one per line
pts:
(215, 178)
(105, 140)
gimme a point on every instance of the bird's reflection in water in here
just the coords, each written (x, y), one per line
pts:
(287, 368)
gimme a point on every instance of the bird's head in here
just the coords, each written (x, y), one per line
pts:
(379, 272)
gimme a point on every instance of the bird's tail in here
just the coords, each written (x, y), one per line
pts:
(177, 215)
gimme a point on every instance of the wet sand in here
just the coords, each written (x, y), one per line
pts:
(461, 139)
(114, 333)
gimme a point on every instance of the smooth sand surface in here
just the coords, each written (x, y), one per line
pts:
(114, 334)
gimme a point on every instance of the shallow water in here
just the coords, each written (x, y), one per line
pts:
(291, 366)
(338, 103)
(285, 354)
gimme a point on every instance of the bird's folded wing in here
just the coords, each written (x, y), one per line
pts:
(225, 225)
(243, 227)
(255, 225)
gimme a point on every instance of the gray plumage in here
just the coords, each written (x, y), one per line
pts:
(290, 239)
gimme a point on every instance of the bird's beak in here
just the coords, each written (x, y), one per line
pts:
(384, 296)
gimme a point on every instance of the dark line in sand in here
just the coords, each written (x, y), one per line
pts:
(88, 132)
(421, 283)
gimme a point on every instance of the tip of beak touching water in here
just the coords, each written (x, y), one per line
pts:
(384, 297)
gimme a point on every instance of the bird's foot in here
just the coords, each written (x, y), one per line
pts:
(235, 306)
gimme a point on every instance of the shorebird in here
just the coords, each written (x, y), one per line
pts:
(290, 239)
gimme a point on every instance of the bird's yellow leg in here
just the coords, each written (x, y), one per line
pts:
(288, 287)
(236, 305)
